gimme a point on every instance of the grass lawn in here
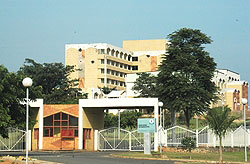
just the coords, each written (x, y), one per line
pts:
(227, 156)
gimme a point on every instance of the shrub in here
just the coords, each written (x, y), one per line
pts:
(188, 143)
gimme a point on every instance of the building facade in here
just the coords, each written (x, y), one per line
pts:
(103, 65)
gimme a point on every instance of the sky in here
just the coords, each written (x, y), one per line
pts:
(39, 29)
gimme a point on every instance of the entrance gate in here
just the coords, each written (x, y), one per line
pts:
(112, 139)
(15, 142)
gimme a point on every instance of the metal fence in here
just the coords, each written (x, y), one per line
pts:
(204, 137)
(14, 142)
(121, 139)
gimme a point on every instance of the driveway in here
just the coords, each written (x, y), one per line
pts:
(84, 158)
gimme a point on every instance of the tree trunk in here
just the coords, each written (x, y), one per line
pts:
(220, 151)
(187, 117)
(173, 118)
(173, 124)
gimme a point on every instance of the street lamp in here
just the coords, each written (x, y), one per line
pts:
(244, 102)
(160, 105)
(27, 82)
(119, 123)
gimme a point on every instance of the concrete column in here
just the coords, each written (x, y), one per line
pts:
(40, 144)
(156, 113)
(80, 126)
(96, 140)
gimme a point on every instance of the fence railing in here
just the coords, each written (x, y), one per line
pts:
(204, 137)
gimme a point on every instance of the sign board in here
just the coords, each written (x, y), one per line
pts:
(146, 125)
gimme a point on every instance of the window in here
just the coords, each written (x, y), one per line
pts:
(101, 51)
(48, 132)
(129, 57)
(48, 121)
(55, 124)
(117, 64)
(134, 58)
(102, 61)
(108, 71)
(102, 80)
(134, 67)
(102, 71)
(121, 65)
(129, 68)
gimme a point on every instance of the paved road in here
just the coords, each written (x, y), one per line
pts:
(84, 158)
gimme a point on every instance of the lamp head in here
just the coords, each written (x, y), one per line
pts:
(160, 104)
(244, 101)
(27, 82)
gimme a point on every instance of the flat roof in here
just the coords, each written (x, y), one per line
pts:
(125, 103)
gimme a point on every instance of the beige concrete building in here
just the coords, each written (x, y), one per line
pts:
(105, 65)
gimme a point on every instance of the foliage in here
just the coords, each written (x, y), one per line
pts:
(110, 120)
(54, 79)
(145, 85)
(220, 120)
(184, 81)
(12, 92)
(107, 90)
(128, 119)
(188, 143)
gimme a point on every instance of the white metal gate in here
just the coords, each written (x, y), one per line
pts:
(15, 142)
(123, 140)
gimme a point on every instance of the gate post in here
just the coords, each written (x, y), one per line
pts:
(29, 140)
(197, 138)
(130, 147)
(96, 140)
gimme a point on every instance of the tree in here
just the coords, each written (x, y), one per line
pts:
(55, 82)
(185, 74)
(129, 119)
(12, 92)
(145, 85)
(107, 90)
(220, 120)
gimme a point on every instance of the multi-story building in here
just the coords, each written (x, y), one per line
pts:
(231, 89)
(99, 65)
(105, 65)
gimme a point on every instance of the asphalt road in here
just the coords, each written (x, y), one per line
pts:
(84, 158)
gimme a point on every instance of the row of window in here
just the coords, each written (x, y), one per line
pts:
(114, 82)
(113, 72)
(117, 54)
(120, 65)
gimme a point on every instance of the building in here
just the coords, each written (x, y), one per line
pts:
(103, 65)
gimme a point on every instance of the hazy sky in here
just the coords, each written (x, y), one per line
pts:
(39, 29)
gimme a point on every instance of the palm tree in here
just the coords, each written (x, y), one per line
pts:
(220, 120)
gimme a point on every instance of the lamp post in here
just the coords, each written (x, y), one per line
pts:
(27, 82)
(119, 123)
(160, 105)
(244, 102)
